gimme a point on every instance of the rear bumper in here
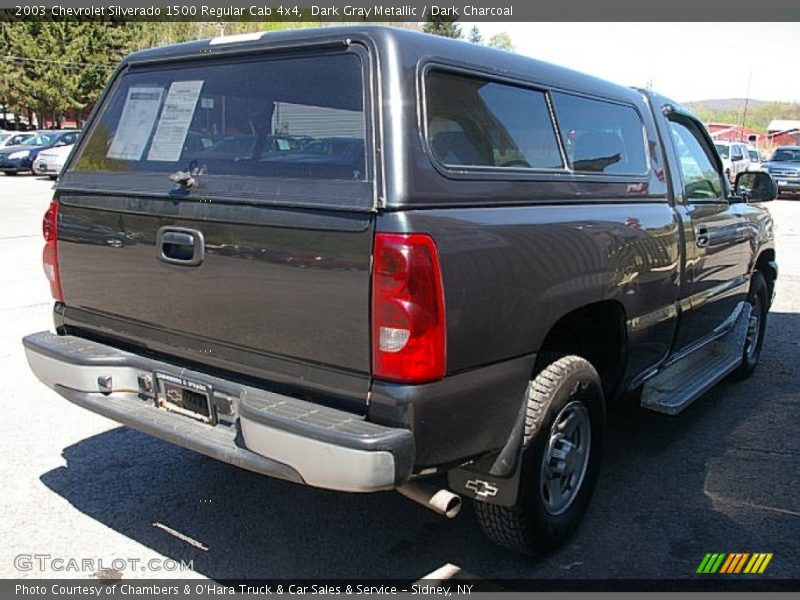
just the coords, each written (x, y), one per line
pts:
(258, 430)
(43, 167)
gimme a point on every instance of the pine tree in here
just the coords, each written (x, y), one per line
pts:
(55, 69)
(443, 26)
(44, 77)
(475, 35)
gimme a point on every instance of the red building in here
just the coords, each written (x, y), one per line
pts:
(783, 132)
(726, 132)
(784, 138)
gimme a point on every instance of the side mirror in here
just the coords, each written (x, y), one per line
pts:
(755, 186)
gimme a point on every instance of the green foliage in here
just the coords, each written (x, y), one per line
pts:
(758, 116)
(475, 35)
(59, 68)
(502, 41)
(443, 26)
(55, 68)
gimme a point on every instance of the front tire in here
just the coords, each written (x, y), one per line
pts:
(564, 427)
(756, 327)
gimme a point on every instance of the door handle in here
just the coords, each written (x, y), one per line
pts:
(701, 236)
(180, 246)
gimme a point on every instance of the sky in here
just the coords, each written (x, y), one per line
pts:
(684, 61)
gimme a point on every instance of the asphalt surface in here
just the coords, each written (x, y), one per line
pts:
(721, 477)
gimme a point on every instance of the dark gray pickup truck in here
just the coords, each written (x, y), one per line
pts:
(368, 259)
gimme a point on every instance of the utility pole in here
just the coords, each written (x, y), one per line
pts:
(746, 102)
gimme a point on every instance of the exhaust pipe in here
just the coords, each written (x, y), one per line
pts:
(438, 500)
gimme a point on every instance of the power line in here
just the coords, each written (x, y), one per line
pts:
(12, 58)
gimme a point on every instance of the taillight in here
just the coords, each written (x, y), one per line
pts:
(50, 253)
(408, 319)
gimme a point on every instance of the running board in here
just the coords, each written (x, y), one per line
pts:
(684, 381)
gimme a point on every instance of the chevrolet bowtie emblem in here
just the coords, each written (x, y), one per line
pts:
(482, 489)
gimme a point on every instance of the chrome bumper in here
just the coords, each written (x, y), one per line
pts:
(255, 429)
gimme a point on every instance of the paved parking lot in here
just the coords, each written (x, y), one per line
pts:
(721, 477)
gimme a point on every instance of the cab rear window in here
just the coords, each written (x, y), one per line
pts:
(477, 123)
(601, 136)
(288, 118)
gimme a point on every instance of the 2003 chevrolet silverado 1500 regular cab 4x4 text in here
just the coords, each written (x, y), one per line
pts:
(363, 259)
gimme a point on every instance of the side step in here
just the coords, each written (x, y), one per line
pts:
(684, 381)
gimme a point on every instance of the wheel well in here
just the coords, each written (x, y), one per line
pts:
(597, 333)
(767, 270)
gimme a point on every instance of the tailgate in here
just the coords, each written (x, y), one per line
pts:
(222, 212)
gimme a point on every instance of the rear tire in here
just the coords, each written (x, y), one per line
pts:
(564, 427)
(754, 343)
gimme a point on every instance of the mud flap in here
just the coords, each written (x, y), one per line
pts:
(494, 479)
(474, 482)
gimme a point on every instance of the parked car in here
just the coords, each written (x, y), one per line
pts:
(755, 159)
(735, 158)
(784, 166)
(441, 292)
(50, 162)
(13, 138)
(19, 158)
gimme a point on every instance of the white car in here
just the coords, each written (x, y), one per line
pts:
(51, 161)
(755, 159)
(734, 157)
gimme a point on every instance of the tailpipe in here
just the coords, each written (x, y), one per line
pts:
(438, 500)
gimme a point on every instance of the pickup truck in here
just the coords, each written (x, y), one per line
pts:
(735, 158)
(784, 166)
(364, 259)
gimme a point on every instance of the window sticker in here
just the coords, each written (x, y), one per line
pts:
(179, 107)
(135, 123)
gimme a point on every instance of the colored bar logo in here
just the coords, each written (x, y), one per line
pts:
(734, 563)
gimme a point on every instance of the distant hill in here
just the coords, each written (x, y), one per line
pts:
(731, 110)
(725, 104)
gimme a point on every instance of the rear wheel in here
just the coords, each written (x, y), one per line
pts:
(756, 326)
(564, 428)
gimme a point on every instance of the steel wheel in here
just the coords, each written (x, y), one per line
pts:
(562, 449)
(753, 329)
(566, 458)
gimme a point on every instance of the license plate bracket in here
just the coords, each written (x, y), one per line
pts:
(185, 397)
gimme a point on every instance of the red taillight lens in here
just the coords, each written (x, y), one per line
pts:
(408, 319)
(50, 252)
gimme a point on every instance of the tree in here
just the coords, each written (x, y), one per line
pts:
(502, 41)
(475, 35)
(56, 68)
(443, 26)
(7, 91)
(44, 77)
